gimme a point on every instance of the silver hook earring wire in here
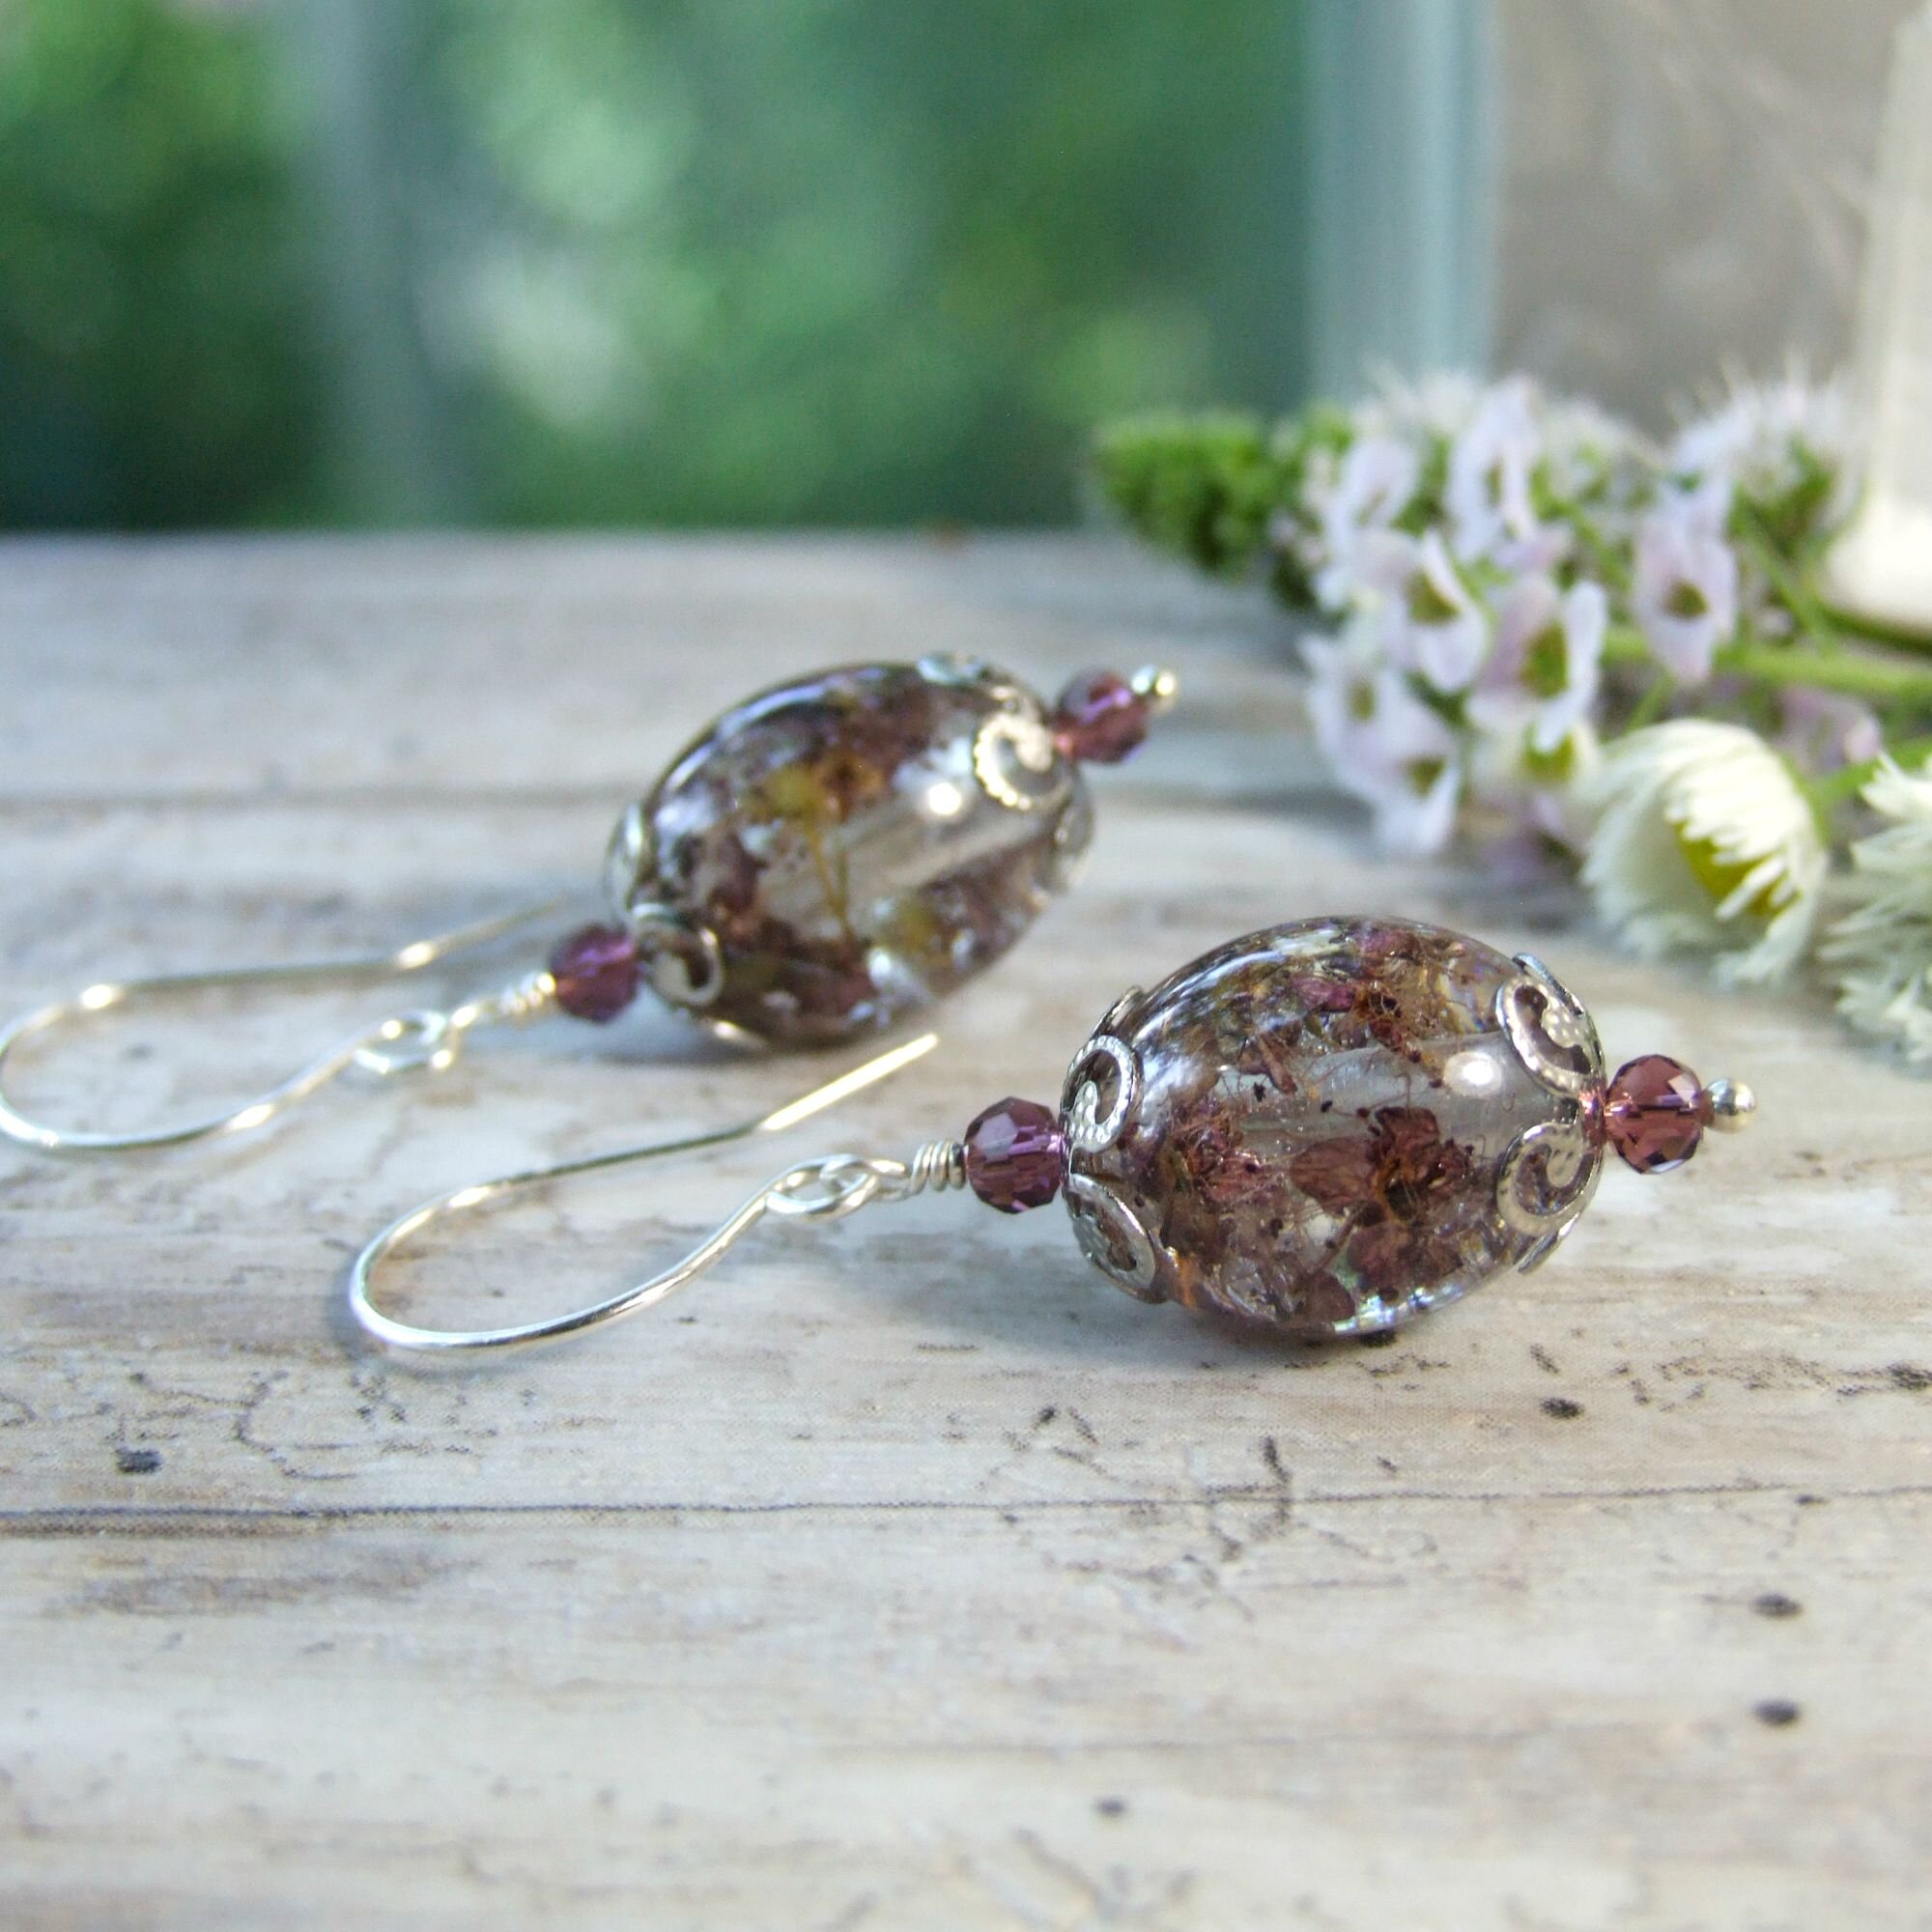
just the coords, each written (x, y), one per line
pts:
(424, 1038)
(825, 1190)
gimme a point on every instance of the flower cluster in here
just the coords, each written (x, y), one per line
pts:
(1532, 631)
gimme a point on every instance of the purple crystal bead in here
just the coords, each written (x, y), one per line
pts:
(596, 972)
(1099, 719)
(1015, 1155)
(1655, 1113)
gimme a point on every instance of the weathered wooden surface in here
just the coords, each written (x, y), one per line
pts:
(905, 1573)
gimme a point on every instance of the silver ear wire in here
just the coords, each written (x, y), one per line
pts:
(825, 1190)
(425, 1038)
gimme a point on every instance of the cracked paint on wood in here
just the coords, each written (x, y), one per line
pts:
(905, 1572)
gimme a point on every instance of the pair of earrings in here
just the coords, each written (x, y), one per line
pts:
(1322, 1128)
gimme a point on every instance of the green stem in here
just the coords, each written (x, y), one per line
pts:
(1624, 644)
(1650, 706)
(1856, 674)
(1873, 630)
(1853, 674)
(1609, 565)
(1798, 595)
(1887, 680)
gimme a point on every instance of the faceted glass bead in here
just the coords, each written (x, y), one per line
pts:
(1099, 719)
(1307, 1129)
(1014, 1155)
(859, 842)
(596, 971)
(1654, 1112)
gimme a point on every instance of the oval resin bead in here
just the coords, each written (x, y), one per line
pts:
(1330, 1126)
(858, 842)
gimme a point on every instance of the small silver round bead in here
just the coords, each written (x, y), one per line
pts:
(1156, 687)
(1732, 1105)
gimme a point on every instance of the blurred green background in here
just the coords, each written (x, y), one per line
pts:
(366, 262)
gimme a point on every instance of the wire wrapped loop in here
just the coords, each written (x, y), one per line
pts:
(423, 1037)
(826, 1189)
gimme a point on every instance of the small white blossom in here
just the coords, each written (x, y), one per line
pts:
(1703, 842)
(1883, 946)
(1342, 695)
(1535, 795)
(1377, 479)
(1491, 466)
(1543, 676)
(1431, 624)
(1416, 817)
(1586, 451)
(1755, 437)
(1383, 744)
(1685, 588)
(1437, 404)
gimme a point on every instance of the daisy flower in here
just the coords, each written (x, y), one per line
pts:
(1883, 946)
(1703, 842)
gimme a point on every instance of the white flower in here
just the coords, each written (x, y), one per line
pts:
(1437, 404)
(1685, 588)
(1377, 479)
(1429, 622)
(1586, 451)
(1415, 814)
(1490, 465)
(1343, 696)
(1542, 675)
(1383, 744)
(1703, 842)
(1884, 945)
(1758, 437)
(1536, 793)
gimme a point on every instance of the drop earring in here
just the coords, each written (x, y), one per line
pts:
(829, 858)
(1323, 1130)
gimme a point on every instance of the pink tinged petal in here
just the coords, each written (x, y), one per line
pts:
(1449, 655)
(1503, 701)
(1490, 464)
(1529, 609)
(1344, 698)
(1825, 731)
(1585, 621)
(1685, 592)
(1540, 551)
(1379, 477)
(1556, 718)
(1501, 710)
(1417, 816)
(1446, 636)
(1401, 760)
(1385, 561)
(1706, 507)
(1406, 729)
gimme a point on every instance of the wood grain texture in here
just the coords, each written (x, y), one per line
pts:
(905, 1573)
